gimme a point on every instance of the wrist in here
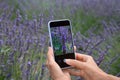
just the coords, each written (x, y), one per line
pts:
(104, 76)
(111, 77)
(62, 78)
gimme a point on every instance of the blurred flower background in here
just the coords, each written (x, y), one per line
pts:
(24, 38)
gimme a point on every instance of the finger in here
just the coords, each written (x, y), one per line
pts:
(50, 55)
(74, 72)
(50, 51)
(65, 72)
(75, 48)
(75, 63)
(81, 57)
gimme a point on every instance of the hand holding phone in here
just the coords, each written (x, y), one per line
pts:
(61, 40)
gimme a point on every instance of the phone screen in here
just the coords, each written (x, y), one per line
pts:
(62, 42)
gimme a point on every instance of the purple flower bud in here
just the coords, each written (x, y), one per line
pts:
(29, 63)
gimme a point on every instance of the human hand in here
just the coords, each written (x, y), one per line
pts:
(55, 71)
(87, 68)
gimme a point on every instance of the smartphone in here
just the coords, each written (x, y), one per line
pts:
(60, 32)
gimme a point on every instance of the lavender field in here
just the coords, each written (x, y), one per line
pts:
(24, 38)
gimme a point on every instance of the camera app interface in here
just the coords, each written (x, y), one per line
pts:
(62, 40)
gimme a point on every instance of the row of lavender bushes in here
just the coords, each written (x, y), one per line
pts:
(103, 46)
(24, 38)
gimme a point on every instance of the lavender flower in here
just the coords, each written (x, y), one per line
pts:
(24, 37)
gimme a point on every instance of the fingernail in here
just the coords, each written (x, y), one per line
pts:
(64, 60)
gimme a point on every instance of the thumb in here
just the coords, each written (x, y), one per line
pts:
(50, 55)
(75, 63)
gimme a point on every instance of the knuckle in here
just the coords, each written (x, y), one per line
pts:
(90, 57)
(50, 64)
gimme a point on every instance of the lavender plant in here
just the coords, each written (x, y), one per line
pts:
(100, 45)
(24, 35)
(27, 43)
